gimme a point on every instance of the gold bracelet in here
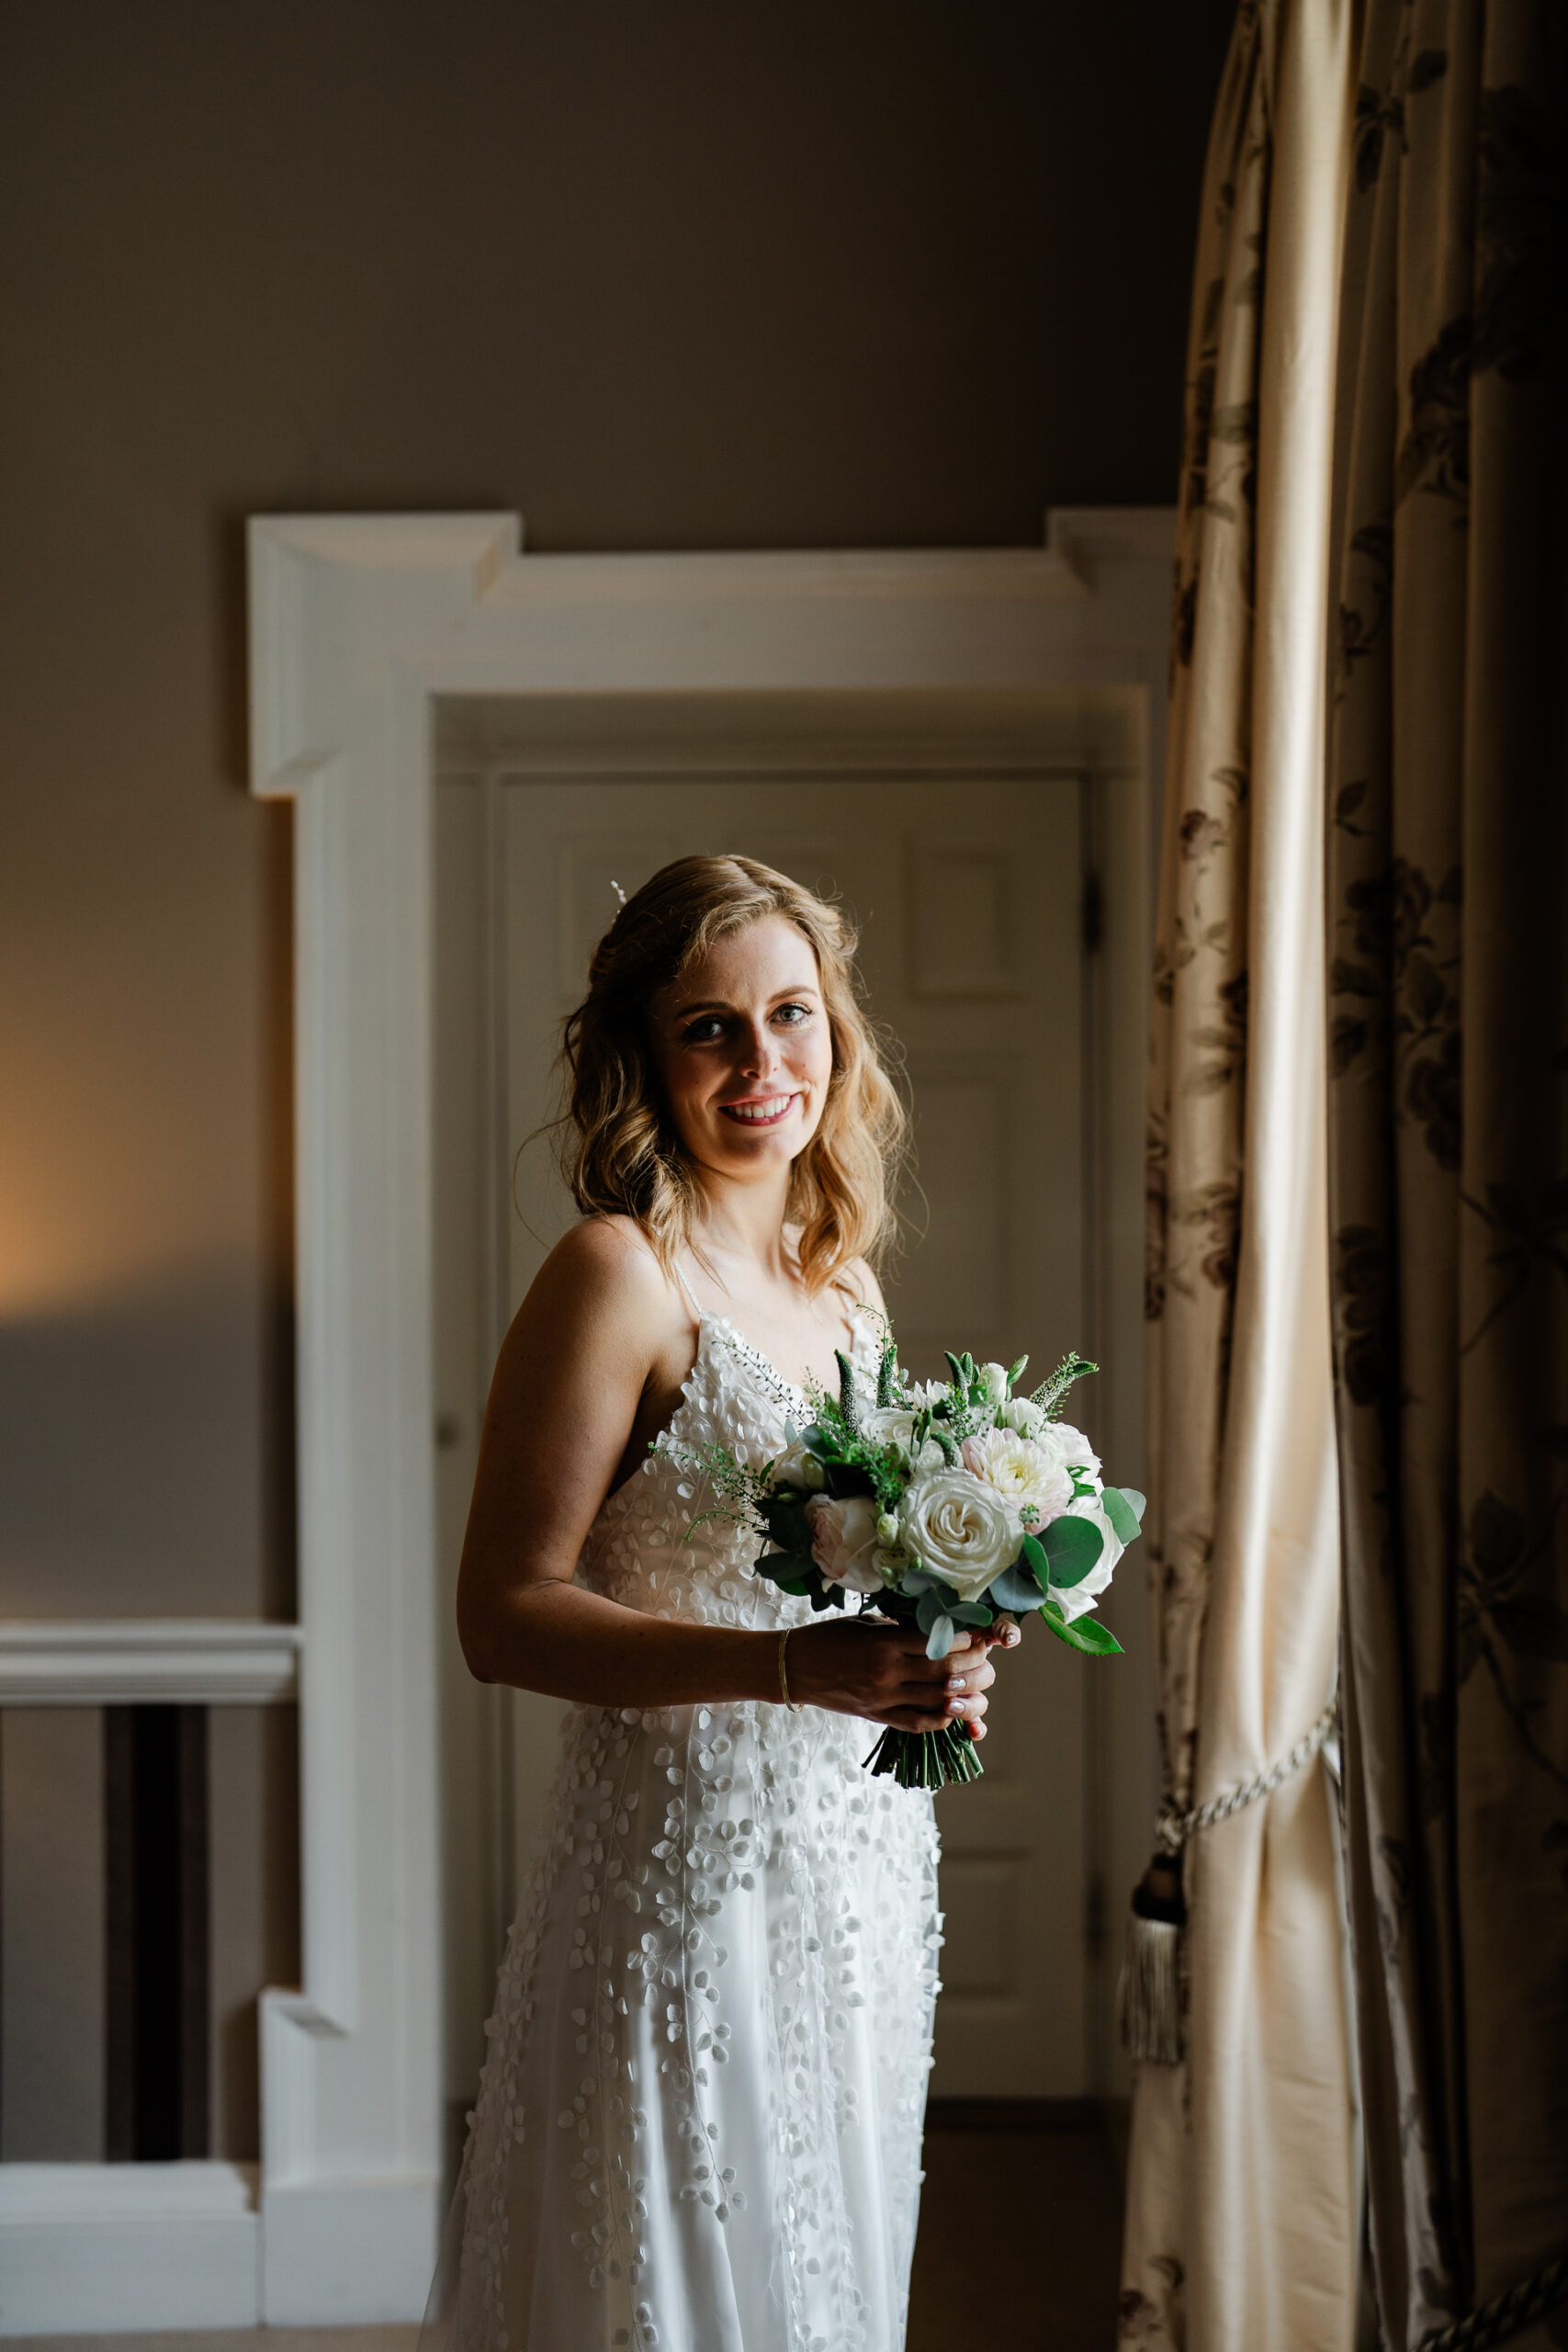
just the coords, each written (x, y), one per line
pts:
(795, 1705)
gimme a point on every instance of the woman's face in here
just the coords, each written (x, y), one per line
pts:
(743, 1047)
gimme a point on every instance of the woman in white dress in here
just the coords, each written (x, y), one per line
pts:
(699, 2122)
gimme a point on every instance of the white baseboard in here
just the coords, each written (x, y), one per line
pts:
(335, 2252)
(88, 2249)
(100, 2247)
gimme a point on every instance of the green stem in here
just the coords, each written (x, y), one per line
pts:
(926, 1759)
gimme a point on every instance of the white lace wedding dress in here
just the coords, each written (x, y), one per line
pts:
(699, 2122)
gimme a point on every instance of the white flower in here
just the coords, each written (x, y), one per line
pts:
(960, 1528)
(1018, 1414)
(844, 1541)
(1029, 1471)
(994, 1385)
(889, 1425)
(1079, 1596)
(798, 1468)
(1076, 1451)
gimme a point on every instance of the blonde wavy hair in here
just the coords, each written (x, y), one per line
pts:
(621, 1155)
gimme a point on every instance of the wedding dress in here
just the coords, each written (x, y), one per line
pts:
(698, 2125)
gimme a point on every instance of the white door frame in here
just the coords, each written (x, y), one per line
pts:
(356, 624)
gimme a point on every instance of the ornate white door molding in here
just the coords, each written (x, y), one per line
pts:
(357, 624)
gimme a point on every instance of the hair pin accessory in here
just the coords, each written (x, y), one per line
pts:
(619, 891)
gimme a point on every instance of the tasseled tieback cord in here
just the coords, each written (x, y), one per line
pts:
(1148, 1999)
(1505, 2315)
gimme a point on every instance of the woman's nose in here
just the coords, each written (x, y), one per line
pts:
(761, 1052)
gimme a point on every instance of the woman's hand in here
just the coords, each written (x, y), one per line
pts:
(857, 1665)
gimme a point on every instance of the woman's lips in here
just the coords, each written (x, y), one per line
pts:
(767, 1112)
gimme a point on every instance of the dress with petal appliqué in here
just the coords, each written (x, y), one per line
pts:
(698, 2125)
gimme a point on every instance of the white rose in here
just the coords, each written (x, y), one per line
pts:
(889, 1425)
(798, 1468)
(1029, 1471)
(1079, 1596)
(844, 1541)
(1076, 1451)
(961, 1529)
(994, 1385)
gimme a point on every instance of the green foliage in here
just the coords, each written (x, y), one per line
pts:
(1072, 1546)
(1015, 1592)
(1123, 1515)
(739, 1493)
(1033, 1558)
(849, 1402)
(852, 1463)
(1085, 1634)
(1051, 1394)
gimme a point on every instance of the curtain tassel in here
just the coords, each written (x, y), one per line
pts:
(1148, 1997)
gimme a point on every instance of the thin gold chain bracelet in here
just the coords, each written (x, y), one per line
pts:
(795, 1705)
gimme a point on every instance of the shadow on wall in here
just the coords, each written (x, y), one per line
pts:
(130, 1481)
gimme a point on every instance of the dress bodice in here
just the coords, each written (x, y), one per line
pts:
(658, 1543)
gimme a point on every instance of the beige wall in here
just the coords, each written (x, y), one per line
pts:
(694, 274)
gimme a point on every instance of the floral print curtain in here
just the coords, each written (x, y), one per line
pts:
(1241, 2229)
(1447, 894)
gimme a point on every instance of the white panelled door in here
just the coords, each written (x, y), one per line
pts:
(968, 895)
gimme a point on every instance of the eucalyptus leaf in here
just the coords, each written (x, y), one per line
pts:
(1072, 1546)
(969, 1612)
(938, 1636)
(1137, 1503)
(929, 1609)
(1120, 1514)
(1033, 1559)
(1014, 1590)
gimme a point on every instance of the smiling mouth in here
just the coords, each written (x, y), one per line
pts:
(764, 1113)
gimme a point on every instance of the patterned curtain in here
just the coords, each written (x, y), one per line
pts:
(1448, 881)
(1241, 2229)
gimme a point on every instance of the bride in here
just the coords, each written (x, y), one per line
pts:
(699, 2122)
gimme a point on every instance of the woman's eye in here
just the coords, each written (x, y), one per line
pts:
(793, 1014)
(703, 1032)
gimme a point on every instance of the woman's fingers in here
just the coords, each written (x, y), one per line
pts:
(915, 1719)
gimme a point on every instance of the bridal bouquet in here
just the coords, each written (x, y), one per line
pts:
(945, 1504)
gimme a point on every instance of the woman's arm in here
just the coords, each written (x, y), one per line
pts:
(598, 1351)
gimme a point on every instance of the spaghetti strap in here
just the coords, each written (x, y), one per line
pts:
(691, 1299)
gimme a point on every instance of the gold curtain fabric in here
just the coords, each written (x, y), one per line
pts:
(1241, 2230)
(1447, 883)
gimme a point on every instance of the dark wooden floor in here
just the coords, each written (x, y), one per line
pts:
(1021, 2221)
(1039, 2180)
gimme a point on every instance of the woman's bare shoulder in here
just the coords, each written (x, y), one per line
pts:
(604, 1269)
(860, 1287)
